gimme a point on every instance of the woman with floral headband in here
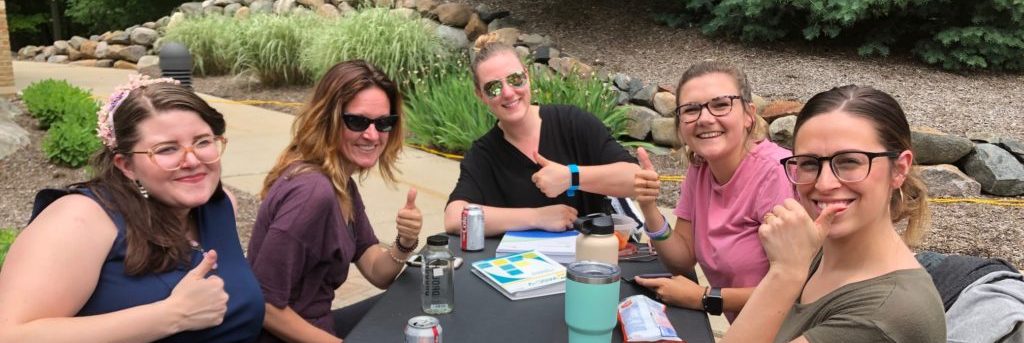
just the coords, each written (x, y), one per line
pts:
(145, 251)
(541, 165)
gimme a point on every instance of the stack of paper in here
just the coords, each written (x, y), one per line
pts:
(560, 246)
(524, 275)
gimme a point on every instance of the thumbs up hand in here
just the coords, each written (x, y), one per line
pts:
(198, 298)
(410, 220)
(646, 185)
(791, 238)
(552, 179)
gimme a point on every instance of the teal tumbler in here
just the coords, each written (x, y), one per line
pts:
(591, 301)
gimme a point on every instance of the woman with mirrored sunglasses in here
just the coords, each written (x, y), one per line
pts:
(840, 270)
(541, 165)
(733, 179)
(147, 250)
(312, 225)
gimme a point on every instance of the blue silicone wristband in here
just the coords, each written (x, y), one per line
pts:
(574, 172)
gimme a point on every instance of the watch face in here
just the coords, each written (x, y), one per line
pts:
(713, 302)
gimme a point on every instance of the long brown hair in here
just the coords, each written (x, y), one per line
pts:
(758, 130)
(910, 201)
(155, 236)
(316, 132)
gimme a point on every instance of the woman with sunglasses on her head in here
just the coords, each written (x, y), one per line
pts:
(840, 272)
(539, 166)
(732, 181)
(312, 224)
(145, 251)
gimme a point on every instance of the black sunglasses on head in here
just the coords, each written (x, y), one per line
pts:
(360, 123)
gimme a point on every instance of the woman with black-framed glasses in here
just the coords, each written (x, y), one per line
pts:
(732, 181)
(312, 226)
(840, 271)
(541, 166)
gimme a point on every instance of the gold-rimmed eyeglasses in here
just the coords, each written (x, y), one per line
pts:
(169, 156)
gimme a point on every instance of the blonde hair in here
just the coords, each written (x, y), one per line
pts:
(758, 130)
(317, 130)
(485, 47)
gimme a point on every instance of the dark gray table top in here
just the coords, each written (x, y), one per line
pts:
(482, 314)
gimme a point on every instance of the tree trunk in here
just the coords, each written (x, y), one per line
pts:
(57, 19)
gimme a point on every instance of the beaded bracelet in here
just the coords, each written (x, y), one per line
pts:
(398, 244)
(664, 233)
(393, 257)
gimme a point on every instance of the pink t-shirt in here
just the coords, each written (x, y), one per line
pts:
(726, 217)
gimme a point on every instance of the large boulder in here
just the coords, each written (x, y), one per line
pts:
(781, 131)
(312, 4)
(426, 7)
(144, 36)
(149, 65)
(545, 53)
(996, 169)
(125, 65)
(284, 6)
(88, 49)
(569, 65)
(61, 46)
(84, 63)
(57, 59)
(176, 19)
(231, 9)
(663, 131)
(475, 27)
(1014, 146)
(28, 52)
(454, 14)
(261, 6)
(105, 63)
(453, 37)
(12, 136)
(935, 147)
(191, 8)
(242, 13)
(665, 104)
(103, 51)
(779, 109)
(328, 11)
(945, 180)
(76, 41)
(119, 37)
(213, 10)
(501, 23)
(533, 40)
(638, 125)
(645, 97)
(507, 36)
(74, 54)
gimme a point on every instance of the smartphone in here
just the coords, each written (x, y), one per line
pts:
(416, 260)
(631, 279)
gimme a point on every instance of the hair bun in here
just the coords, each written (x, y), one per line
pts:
(485, 40)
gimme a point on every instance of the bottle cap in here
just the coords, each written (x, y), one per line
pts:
(438, 239)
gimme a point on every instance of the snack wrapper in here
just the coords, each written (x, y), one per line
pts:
(643, 320)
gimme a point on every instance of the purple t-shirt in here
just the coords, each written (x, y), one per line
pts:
(726, 217)
(301, 246)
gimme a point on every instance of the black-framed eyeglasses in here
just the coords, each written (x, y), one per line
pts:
(847, 166)
(169, 156)
(493, 88)
(360, 123)
(718, 106)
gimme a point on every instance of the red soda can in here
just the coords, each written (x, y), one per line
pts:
(472, 233)
(423, 329)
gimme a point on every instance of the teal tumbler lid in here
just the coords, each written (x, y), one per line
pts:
(592, 272)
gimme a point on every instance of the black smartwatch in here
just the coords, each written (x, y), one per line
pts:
(712, 301)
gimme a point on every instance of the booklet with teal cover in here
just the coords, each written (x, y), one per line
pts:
(559, 246)
(524, 275)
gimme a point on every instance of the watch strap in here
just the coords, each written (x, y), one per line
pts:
(574, 185)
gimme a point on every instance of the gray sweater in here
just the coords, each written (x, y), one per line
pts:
(989, 310)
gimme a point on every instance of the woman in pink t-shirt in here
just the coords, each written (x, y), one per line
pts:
(734, 179)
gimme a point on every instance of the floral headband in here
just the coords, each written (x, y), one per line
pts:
(105, 116)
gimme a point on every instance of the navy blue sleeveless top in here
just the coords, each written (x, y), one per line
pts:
(116, 290)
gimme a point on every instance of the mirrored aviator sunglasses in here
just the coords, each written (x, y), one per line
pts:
(493, 88)
(360, 123)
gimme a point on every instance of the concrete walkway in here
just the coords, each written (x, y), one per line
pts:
(257, 136)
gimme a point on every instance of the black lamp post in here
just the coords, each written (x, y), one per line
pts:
(176, 63)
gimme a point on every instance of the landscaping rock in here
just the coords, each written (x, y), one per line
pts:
(225, 3)
(144, 36)
(502, 23)
(212, 10)
(102, 51)
(84, 63)
(231, 9)
(125, 65)
(644, 97)
(150, 25)
(568, 65)
(149, 65)
(74, 54)
(61, 47)
(28, 52)
(328, 11)
(243, 13)
(118, 37)
(8, 110)
(760, 103)
(663, 131)
(507, 35)
(410, 4)
(12, 137)
(638, 124)
(114, 52)
(475, 27)
(996, 169)
(384, 3)
(522, 52)
(453, 37)
(622, 99)
(95, 38)
(426, 7)
(935, 147)
(105, 63)
(545, 53)
(488, 15)
(40, 58)
(779, 109)
(345, 9)
(621, 81)
(946, 180)
(533, 40)
(284, 6)
(176, 19)
(261, 6)
(47, 52)
(76, 42)
(1014, 146)
(162, 22)
(191, 8)
(665, 104)
(453, 14)
(57, 59)
(781, 131)
(635, 86)
(312, 4)
(407, 13)
(299, 10)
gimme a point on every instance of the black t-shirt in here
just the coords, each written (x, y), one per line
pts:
(495, 173)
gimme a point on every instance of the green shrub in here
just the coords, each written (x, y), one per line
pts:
(212, 40)
(270, 47)
(72, 141)
(588, 93)
(443, 110)
(50, 100)
(6, 239)
(401, 47)
(957, 35)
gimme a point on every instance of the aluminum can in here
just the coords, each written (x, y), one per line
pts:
(472, 233)
(423, 329)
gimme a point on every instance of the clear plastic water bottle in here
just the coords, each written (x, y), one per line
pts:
(438, 295)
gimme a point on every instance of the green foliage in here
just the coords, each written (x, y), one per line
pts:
(50, 100)
(72, 142)
(270, 46)
(7, 236)
(588, 93)
(212, 40)
(401, 47)
(26, 23)
(957, 35)
(104, 15)
(444, 111)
